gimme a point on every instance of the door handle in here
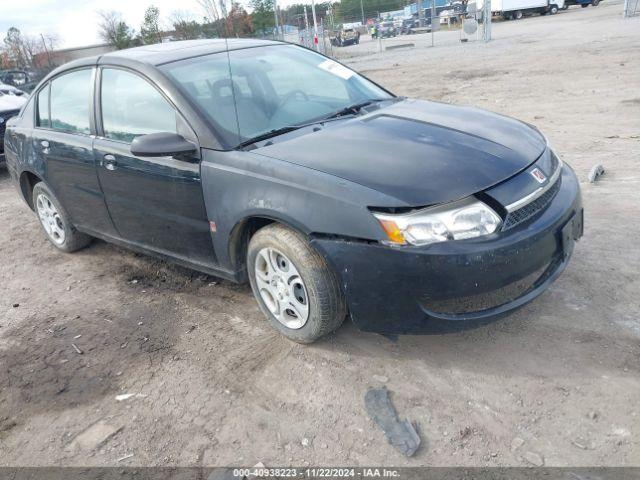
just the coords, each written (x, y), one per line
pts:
(109, 162)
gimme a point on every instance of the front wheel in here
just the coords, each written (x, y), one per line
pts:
(553, 10)
(56, 222)
(293, 284)
(595, 3)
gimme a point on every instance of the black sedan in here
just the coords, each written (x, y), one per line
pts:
(266, 162)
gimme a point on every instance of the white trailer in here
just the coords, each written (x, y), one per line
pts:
(516, 9)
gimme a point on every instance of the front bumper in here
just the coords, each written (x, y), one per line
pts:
(460, 284)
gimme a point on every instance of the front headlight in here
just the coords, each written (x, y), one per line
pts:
(468, 218)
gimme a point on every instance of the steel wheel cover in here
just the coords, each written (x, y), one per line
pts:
(281, 288)
(50, 219)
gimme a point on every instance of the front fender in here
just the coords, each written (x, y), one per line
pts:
(239, 185)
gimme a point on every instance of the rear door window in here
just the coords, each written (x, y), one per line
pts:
(70, 102)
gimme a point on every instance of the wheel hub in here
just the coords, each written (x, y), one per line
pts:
(50, 219)
(281, 288)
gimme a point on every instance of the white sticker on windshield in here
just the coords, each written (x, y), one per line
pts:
(337, 69)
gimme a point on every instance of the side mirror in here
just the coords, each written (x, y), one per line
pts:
(161, 145)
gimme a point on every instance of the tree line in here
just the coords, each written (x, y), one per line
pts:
(216, 19)
(220, 20)
(18, 51)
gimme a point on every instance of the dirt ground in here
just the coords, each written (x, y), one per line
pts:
(557, 382)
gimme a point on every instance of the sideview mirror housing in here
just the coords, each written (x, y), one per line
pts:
(161, 145)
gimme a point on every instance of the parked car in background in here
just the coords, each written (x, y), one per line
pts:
(10, 105)
(408, 24)
(517, 9)
(387, 30)
(266, 162)
(582, 3)
(10, 90)
(346, 36)
(22, 79)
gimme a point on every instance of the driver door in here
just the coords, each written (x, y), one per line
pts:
(155, 202)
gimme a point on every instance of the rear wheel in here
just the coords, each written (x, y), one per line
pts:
(517, 15)
(295, 288)
(553, 9)
(56, 222)
(595, 3)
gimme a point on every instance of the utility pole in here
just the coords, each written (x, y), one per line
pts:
(315, 24)
(44, 44)
(275, 14)
(420, 13)
(306, 26)
(486, 20)
(434, 18)
(362, 11)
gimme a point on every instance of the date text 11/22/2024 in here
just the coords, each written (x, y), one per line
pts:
(311, 472)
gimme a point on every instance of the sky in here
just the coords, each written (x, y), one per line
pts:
(75, 21)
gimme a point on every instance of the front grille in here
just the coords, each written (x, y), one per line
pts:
(531, 209)
(484, 301)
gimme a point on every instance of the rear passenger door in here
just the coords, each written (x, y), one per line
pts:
(155, 202)
(63, 140)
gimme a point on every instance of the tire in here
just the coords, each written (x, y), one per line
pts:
(55, 221)
(517, 15)
(565, 7)
(553, 9)
(595, 3)
(286, 274)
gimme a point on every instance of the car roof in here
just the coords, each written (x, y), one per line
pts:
(161, 53)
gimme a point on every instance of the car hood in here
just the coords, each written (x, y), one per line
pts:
(422, 153)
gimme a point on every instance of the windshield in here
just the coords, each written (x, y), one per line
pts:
(269, 88)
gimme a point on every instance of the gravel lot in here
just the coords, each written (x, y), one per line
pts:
(557, 382)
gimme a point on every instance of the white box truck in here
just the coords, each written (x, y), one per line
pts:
(516, 9)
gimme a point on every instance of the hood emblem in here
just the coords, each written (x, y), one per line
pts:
(538, 175)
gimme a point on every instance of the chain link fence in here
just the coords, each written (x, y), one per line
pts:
(374, 31)
(631, 8)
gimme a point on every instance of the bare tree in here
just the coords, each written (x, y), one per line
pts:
(108, 26)
(210, 8)
(21, 51)
(113, 30)
(185, 26)
(50, 41)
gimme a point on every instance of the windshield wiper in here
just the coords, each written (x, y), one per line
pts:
(351, 109)
(355, 108)
(270, 134)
